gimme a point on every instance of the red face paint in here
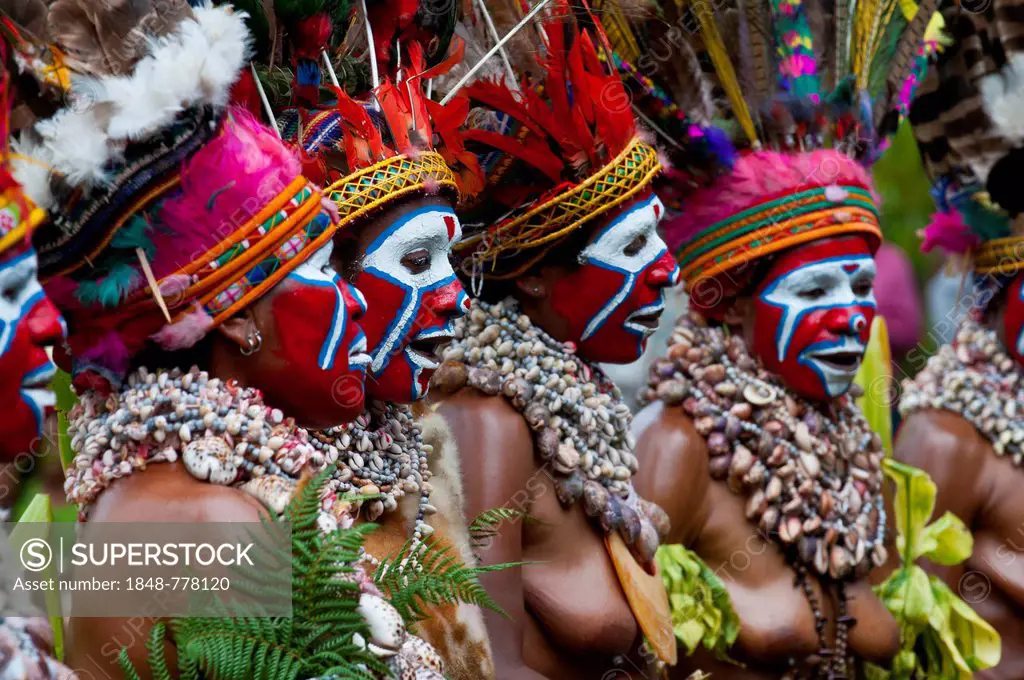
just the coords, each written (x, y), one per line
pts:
(28, 323)
(1013, 319)
(813, 314)
(414, 299)
(322, 347)
(614, 300)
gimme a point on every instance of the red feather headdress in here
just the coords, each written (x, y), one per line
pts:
(567, 151)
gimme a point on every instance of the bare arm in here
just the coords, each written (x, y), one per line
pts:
(673, 469)
(497, 464)
(162, 493)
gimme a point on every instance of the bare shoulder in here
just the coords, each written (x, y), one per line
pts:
(495, 446)
(935, 440)
(955, 456)
(168, 493)
(673, 468)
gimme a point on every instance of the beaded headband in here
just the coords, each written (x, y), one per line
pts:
(779, 223)
(553, 218)
(253, 259)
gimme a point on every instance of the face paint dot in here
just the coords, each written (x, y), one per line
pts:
(850, 268)
(657, 210)
(449, 221)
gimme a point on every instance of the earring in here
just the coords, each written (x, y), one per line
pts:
(536, 290)
(255, 340)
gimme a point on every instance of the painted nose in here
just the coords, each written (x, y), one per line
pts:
(45, 324)
(844, 321)
(448, 301)
(664, 271)
(355, 301)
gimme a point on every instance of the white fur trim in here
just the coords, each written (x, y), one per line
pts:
(196, 64)
(1002, 95)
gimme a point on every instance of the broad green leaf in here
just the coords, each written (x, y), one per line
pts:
(66, 399)
(945, 541)
(915, 502)
(918, 601)
(35, 523)
(940, 625)
(875, 378)
(985, 647)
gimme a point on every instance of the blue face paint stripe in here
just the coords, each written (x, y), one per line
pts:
(597, 321)
(397, 329)
(37, 410)
(619, 218)
(339, 322)
(805, 360)
(7, 329)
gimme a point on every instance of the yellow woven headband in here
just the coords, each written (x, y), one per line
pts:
(550, 220)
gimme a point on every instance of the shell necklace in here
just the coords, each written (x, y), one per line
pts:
(225, 434)
(579, 421)
(812, 479)
(976, 379)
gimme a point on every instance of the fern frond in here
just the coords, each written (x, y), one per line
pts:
(431, 576)
(485, 526)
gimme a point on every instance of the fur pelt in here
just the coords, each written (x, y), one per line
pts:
(457, 632)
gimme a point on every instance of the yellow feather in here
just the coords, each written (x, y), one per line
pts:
(723, 67)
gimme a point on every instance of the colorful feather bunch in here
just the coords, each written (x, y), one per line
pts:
(573, 122)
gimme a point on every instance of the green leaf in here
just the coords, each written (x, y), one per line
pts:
(66, 400)
(702, 612)
(918, 600)
(981, 643)
(875, 378)
(914, 505)
(35, 522)
(945, 541)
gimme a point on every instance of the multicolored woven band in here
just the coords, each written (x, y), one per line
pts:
(553, 218)
(999, 256)
(256, 257)
(371, 188)
(779, 223)
(18, 218)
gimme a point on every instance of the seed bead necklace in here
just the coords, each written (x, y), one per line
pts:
(811, 473)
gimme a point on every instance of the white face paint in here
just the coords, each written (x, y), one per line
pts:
(408, 278)
(818, 286)
(21, 291)
(628, 245)
(820, 313)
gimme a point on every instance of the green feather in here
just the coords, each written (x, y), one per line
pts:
(110, 290)
(984, 222)
(878, 71)
(135, 234)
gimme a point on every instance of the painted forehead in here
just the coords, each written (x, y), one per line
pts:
(430, 228)
(640, 219)
(827, 250)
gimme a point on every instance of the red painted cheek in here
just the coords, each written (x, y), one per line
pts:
(579, 296)
(19, 425)
(439, 305)
(304, 316)
(384, 300)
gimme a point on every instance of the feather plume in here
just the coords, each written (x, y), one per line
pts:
(108, 37)
(225, 183)
(186, 332)
(949, 232)
(28, 15)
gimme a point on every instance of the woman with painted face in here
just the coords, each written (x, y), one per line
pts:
(208, 330)
(567, 270)
(395, 249)
(963, 418)
(751, 440)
